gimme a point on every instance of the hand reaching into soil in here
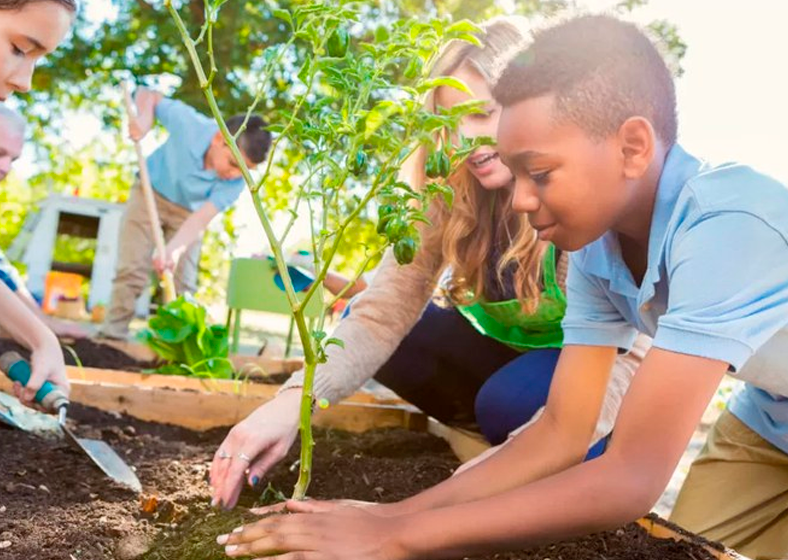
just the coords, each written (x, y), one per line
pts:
(253, 446)
(346, 533)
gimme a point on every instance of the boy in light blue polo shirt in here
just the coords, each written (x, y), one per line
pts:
(693, 255)
(194, 177)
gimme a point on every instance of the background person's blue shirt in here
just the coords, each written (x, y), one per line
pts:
(716, 284)
(176, 168)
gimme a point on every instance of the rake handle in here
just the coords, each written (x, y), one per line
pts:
(167, 281)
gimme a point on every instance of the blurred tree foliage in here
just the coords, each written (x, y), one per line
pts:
(142, 40)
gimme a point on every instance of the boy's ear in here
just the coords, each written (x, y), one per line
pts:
(637, 140)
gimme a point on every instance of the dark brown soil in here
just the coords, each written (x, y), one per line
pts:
(87, 353)
(55, 505)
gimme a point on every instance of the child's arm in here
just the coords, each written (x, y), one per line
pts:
(664, 405)
(665, 402)
(558, 440)
(47, 358)
(621, 376)
(191, 230)
(146, 101)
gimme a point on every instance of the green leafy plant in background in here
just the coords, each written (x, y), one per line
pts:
(179, 334)
(356, 116)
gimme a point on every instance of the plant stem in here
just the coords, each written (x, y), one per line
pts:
(359, 271)
(307, 439)
(276, 249)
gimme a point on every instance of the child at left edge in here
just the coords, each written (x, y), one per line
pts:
(29, 30)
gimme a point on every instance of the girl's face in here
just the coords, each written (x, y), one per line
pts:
(484, 163)
(26, 35)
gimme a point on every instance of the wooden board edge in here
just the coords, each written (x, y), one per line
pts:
(662, 530)
(203, 410)
(465, 443)
(85, 375)
(254, 366)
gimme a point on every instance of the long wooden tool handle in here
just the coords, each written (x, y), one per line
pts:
(167, 281)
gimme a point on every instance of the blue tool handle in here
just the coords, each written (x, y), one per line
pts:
(20, 372)
(48, 395)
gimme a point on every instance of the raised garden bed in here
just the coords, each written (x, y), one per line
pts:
(55, 505)
(203, 404)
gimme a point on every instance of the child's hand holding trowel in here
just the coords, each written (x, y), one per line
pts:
(28, 330)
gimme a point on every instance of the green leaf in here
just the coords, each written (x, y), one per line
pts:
(284, 15)
(303, 74)
(336, 342)
(180, 335)
(378, 115)
(468, 38)
(447, 81)
(463, 26)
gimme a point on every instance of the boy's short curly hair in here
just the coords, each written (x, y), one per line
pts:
(601, 71)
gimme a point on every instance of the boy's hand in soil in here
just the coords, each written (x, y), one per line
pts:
(346, 533)
(264, 437)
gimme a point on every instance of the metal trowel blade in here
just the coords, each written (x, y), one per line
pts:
(107, 460)
(21, 417)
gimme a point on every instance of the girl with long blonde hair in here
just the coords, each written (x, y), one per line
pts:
(486, 358)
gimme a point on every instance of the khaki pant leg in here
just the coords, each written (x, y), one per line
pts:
(737, 492)
(172, 217)
(135, 247)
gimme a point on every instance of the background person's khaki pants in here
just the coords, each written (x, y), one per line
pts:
(736, 492)
(135, 252)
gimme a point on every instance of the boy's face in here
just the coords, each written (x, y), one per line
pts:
(571, 185)
(221, 159)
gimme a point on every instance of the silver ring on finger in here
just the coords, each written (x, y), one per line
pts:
(223, 454)
(244, 457)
